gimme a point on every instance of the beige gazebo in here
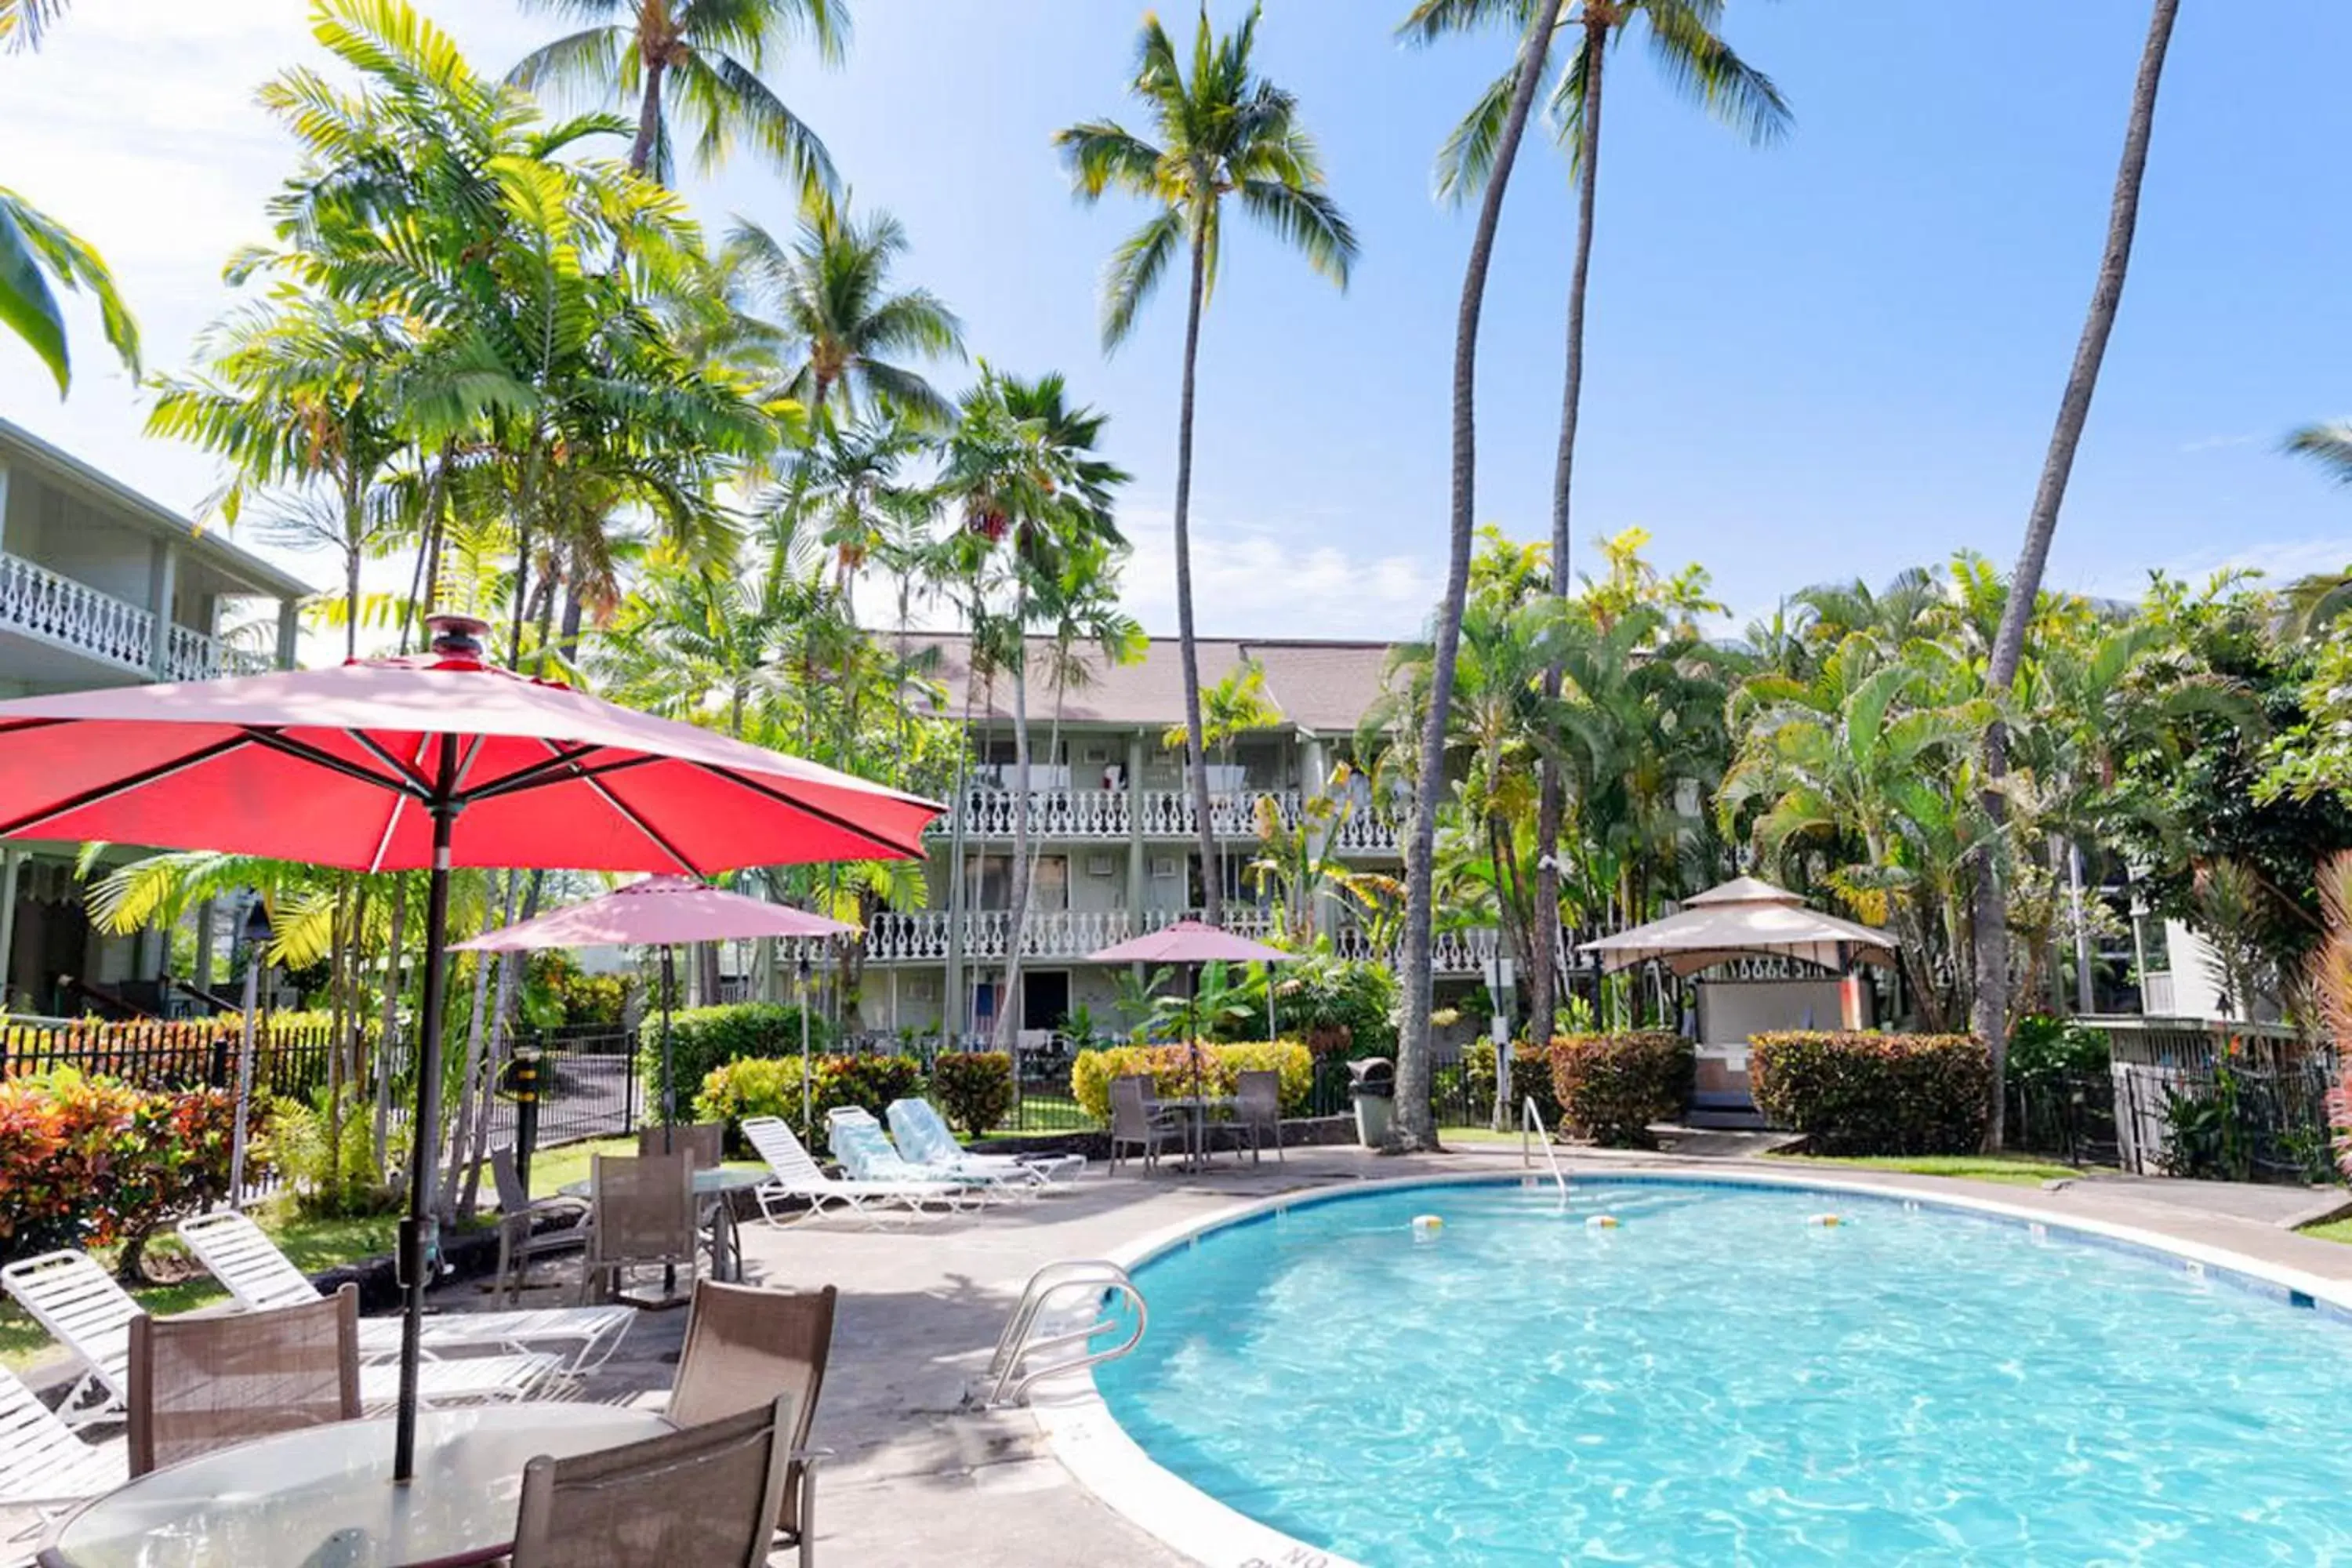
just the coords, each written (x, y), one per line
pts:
(1748, 918)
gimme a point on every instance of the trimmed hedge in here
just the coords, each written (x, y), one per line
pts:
(1531, 1079)
(704, 1038)
(974, 1089)
(771, 1085)
(1874, 1094)
(1170, 1067)
(1612, 1086)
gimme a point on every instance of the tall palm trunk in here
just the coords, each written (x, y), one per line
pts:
(1008, 1026)
(649, 111)
(1551, 803)
(1989, 905)
(1414, 1128)
(1195, 753)
(389, 1041)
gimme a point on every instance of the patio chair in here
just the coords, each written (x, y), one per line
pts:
(795, 1175)
(1134, 1124)
(199, 1384)
(241, 1256)
(705, 1494)
(745, 1346)
(863, 1148)
(45, 1467)
(519, 1237)
(644, 1218)
(705, 1140)
(1257, 1114)
(85, 1310)
(924, 1138)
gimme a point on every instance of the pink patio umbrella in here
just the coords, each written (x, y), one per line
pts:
(1191, 944)
(428, 763)
(664, 912)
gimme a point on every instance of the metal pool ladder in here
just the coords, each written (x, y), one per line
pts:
(1020, 1342)
(1531, 1121)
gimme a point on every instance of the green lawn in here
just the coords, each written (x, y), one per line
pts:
(2009, 1169)
(2330, 1230)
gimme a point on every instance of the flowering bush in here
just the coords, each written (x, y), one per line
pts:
(771, 1085)
(91, 1162)
(1874, 1094)
(702, 1038)
(1170, 1069)
(1612, 1086)
(974, 1089)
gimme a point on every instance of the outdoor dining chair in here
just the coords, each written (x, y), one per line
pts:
(241, 1256)
(744, 1346)
(1257, 1113)
(519, 1237)
(1135, 1125)
(705, 1140)
(197, 1384)
(644, 1218)
(706, 1495)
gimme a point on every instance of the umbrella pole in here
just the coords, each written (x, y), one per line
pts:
(807, 1101)
(669, 1078)
(425, 1130)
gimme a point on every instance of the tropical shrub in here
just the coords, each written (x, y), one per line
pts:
(974, 1089)
(2041, 1047)
(561, 993)
(702, 1038)
(1531, 1079)
(1170, 1069)
(1612, 1086)
(1874, 1094)
(331, 1177)
(1339, 1006)
(752, 1086)
(91, 1162)
(771, 1085)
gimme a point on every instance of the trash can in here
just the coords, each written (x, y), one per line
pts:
(1373, 1087)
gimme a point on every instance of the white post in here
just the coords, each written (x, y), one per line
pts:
(11, 860)
(244, 1079)
(162, 588)
(290, 631)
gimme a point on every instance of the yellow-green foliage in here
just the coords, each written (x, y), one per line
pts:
(1170, 1067)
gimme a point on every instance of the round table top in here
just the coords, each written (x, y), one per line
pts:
(323, 1498)
(706, 1182)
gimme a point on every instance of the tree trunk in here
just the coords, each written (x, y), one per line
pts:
(461, 1129)
(502, 1034)
(1989, 911)
(388, 1044)
(650, 113)
(1414, 1128)
(1196, 756)
(1552, 804)
(1008, 1024)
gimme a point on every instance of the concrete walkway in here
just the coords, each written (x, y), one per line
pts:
(921, 1476)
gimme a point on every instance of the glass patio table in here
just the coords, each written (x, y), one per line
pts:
(1195, 1109)
(323, 1498)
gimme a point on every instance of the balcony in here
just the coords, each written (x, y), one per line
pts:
(1105, 814)
(57, 611)
(1063, 935)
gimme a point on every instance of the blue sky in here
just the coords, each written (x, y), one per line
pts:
(1833, 358)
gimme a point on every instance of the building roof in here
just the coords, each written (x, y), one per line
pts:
(1322, 687)
(212, 545)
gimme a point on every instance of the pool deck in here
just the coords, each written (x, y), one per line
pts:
(921, 1476)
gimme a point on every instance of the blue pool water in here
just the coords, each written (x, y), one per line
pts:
(1717, 1382)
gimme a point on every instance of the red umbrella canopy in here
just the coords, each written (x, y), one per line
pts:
(656, 912)
(339, 767)
(1190, 941)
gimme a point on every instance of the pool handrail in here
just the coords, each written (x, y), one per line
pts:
(1015, 1345)
(1531, 1121)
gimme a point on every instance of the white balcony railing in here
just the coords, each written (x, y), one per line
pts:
(1064, 934)
(1099, 815)
(37, 603)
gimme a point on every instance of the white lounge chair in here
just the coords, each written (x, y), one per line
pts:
(863, 1147)
(796, 1175)
(926, 1140)
(44, 1464)
(244, 1258)
(85, 1310)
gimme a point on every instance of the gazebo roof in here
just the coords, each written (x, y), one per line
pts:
(1742, 918)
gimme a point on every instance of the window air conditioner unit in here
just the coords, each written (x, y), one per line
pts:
(1100, 865)
(1166, 867)
(918, 990)
(1097, 754)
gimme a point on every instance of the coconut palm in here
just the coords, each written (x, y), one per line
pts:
(1990, 1014)
(698, 59)
(1223, 132)
(1415, 1126)
(820, 313)
(1684, 37)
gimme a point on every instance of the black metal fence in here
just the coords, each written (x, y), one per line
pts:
(589, 1085)
(2226, 1121)
(288, 1059)
(2068, 1117)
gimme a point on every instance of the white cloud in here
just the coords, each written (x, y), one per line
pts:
(2278, 561)
(1268, 581)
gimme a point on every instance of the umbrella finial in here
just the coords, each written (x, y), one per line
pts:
(457, 636)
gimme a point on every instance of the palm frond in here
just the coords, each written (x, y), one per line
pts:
(1134, 272)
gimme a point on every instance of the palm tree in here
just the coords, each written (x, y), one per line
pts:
(36, 249)
(1231, 708)
(1682, 35)
(1990, 1014)
(822, 314)
(1224, 132)
(1415, 1126)
(708, 54)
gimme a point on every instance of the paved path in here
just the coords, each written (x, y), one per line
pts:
(921, 1477)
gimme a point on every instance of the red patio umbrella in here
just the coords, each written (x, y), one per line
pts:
(428, 762)
(664, 912)
(1193, 943)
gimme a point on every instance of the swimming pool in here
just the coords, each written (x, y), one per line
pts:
(1717, 1381)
